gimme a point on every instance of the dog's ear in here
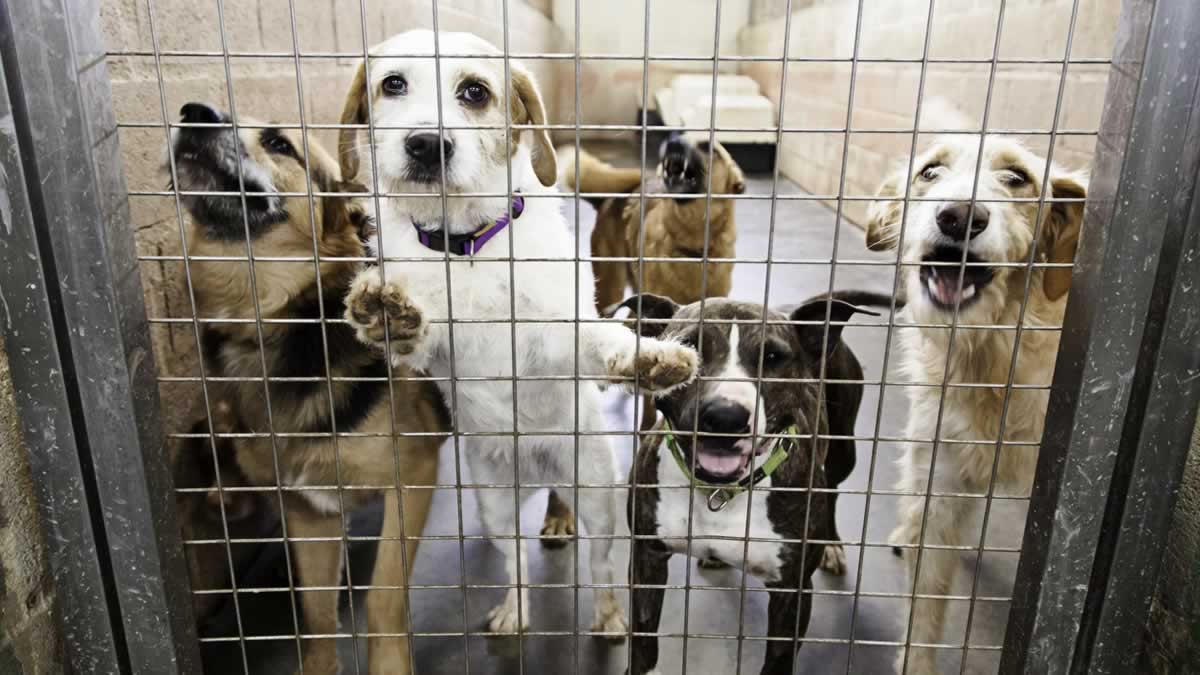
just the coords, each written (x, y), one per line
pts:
(812, 335)
(737, 180)
(353, 112)
(657, 311)
(344, 212)
(527, 108)
(1060, 236)
(883, 216)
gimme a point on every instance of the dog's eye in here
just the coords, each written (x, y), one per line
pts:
(279, 145)
(1013, 177)
(395, 85)
(773, 357)
(473, 93)
(930, 172)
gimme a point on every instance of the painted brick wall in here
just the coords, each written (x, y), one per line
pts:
(885, 94)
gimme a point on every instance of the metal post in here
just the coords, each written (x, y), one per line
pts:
(1125, 389)
(89, 400)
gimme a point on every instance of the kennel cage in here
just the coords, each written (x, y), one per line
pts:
(77, 332)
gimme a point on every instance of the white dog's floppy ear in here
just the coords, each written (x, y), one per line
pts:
(353, 112)
(1061, 232)
(883, 217)
(527, 108)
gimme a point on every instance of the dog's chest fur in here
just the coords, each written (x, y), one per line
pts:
(481, 290)
(727, 527)
(777, 519)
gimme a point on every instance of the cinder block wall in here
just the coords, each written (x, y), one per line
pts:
(1172, 643)
(30, 640)
(885, 94)
(263, 88)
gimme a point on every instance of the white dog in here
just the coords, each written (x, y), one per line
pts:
(939, 226)
(405, 87)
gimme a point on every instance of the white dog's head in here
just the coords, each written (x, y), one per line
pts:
(406, 87)
(941, 222)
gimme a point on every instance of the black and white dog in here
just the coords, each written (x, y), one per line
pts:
(741, 451)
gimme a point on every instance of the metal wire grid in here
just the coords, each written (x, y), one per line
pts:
(840, 197)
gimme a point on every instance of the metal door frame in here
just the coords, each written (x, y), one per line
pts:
(79, 349)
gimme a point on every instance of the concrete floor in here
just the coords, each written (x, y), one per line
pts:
(803, 229)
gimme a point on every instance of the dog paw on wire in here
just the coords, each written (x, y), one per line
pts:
(381, 311)
(656, 367)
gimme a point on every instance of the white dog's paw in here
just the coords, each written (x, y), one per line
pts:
(610, 618)
(659, 366)
(372, 302)
(833, 560)
(504, 618)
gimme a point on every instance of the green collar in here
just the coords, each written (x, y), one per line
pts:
(724, 493)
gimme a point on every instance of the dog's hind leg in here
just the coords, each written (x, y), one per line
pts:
(943, 529)
(788, 613)
(600, 512)
(318, 564)
(387, 610)
(559, 525)
(647, 567)
(497, 510)
(843, 400)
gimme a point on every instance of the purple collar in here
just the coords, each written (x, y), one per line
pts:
(468, 244)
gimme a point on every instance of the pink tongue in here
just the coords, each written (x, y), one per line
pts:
(719, 465)
(947, 288)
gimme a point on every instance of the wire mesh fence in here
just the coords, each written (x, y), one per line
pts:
(304, 425)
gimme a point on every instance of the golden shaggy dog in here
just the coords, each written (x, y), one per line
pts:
(995, 287)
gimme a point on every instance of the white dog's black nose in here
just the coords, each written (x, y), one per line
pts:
(198, 113)
(720, 416)
(425, 148)
(954, 219)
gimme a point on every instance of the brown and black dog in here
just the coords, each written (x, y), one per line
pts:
(702, 510)
(675, 227)
(294, 447)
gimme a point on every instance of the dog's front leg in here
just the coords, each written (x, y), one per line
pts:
(613, 351)
(317, 564)
(387, 609)
(648, 573)
(385, 313)
(941, 523)
(788, 612)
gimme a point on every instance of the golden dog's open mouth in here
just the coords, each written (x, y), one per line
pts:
(941, 279)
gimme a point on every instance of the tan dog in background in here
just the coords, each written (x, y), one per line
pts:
(675, 227)
(943, 228)
(310, 469)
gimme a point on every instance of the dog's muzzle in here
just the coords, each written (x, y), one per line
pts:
(426, 154)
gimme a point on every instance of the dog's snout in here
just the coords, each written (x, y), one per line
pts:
(199, 113)
(954, 219)
(427, 148)
(721, 416)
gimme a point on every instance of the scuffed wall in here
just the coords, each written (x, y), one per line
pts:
(1173, 634)
(30, 639)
